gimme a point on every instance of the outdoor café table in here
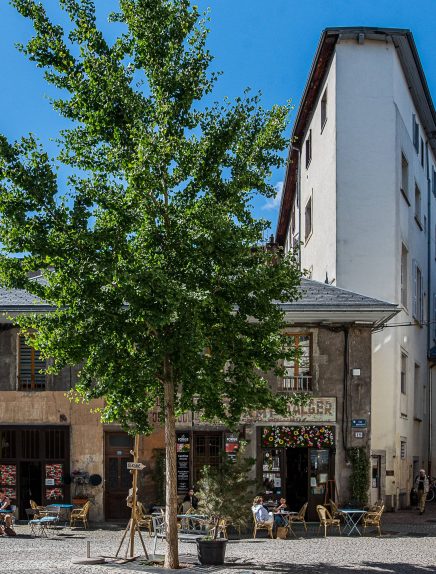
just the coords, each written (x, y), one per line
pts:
(195, 523)
(352, 517)
(65, 510)
(286, 516)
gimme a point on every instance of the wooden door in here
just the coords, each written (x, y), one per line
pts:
(208, 450)
(118, 479)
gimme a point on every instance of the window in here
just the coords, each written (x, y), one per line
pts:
(433, 181)
(422, 152)
(323, 110)
(418, 294)
(405, 176)
(309, 149)
(403, 449)
(293, 222)
(418, 394)
(308, 220)
(298, 371)
(434, 317)
(403, 374)
(418, 206)
(404, 255)
(415, 131)
(30, 365)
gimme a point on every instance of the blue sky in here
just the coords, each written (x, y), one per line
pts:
(267, 45)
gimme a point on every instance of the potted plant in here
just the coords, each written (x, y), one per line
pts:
(224, 494)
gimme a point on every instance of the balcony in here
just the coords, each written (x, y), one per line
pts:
(299, 384)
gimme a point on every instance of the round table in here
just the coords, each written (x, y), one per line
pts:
(64, 509)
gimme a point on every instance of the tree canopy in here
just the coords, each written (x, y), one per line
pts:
(149, 254)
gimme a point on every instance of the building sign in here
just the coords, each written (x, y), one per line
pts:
(317, 410)
(183, 454)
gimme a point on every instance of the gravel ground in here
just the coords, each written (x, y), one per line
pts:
(408, 546)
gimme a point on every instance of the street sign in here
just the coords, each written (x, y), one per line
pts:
(359, 423)
(135, 466)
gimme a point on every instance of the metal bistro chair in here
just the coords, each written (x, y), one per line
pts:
(41, 525)
(325, 519)
(158, 529)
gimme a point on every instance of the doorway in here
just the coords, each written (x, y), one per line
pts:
(118, 479)
(30, 484)
(297, 461)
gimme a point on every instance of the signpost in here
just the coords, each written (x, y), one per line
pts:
(132, 526)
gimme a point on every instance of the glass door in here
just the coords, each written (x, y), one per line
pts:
(319, 475)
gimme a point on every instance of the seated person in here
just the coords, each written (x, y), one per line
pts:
(5, 504)
(191, 498)
(260, 512)
(279, 520)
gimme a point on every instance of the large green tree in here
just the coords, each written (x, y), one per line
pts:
(149, 253)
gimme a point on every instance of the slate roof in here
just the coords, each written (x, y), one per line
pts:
(20, 300)
(316, 295)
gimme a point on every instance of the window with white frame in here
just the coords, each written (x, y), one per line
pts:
(404, 175)
(324, 109)
(415, 131)
(404, 257)
(309, 149)
(308, 223)
(418, 293)
(422, 152)
(403, 381)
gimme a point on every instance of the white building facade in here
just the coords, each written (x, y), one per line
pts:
(360, 200)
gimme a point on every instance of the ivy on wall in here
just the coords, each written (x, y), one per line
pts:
(359, 479)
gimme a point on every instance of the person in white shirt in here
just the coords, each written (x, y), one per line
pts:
(260, 512)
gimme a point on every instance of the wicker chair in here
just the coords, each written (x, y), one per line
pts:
(326, 519)
(258, 525)
(80, 515)
(298, 518)
(144, 519)
(373, 518)
(335, 512)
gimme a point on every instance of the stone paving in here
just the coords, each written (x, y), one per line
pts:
(408, 546)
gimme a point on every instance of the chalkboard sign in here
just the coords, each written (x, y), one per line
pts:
(183, 454)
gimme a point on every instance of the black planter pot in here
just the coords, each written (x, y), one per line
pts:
(211, 551)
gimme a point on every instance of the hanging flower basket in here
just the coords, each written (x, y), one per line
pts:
(301, 436)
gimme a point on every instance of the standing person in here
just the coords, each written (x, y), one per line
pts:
(5, 504)
(191, 498)
(422, 487)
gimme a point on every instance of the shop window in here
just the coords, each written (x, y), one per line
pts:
(30, 368)
(298, 371)
(55, 443)
(7, 444)
(8, 480)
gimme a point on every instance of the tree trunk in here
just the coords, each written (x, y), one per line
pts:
(172, 554)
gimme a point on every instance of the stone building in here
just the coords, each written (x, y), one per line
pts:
(54, 449)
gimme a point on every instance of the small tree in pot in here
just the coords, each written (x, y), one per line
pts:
(225, 495)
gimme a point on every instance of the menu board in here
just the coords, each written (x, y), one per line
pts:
(8, 479)
(183, 454)
(232, 445)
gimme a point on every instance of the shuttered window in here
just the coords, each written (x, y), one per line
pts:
(30, 365)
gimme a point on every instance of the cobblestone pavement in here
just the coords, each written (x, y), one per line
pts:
(408, 546)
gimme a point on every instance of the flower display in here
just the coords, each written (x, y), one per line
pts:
(301, 436)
